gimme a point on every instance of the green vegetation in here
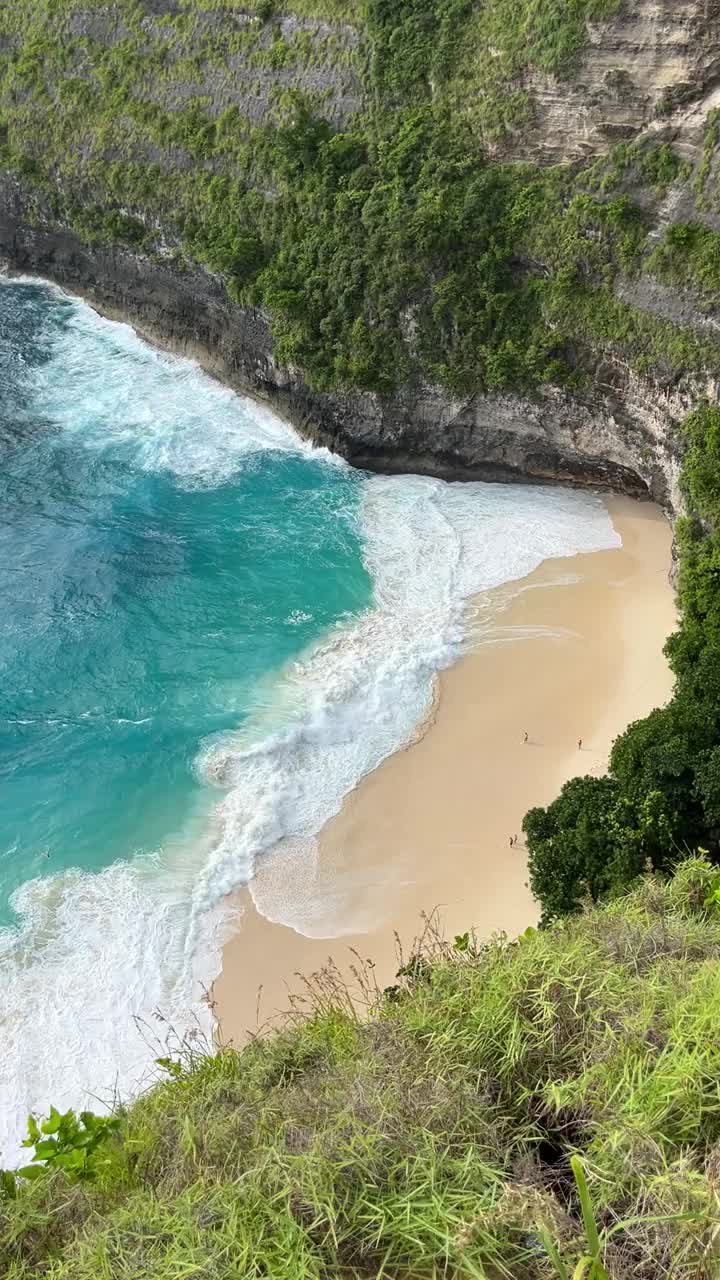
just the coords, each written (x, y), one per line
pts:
(474, 57)
(340, 178)
(689, 255)
(516, 1110)
(706, 180)
(78, 1146)
(662, 795)
(636, 165)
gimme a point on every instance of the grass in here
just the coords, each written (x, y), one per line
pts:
(689, 255)
(639, 164)
(504, 41)
(512, 1110)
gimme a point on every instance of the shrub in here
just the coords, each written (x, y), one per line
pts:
(662, 795)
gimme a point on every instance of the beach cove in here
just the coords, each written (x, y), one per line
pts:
(572, 652)
(218, 630)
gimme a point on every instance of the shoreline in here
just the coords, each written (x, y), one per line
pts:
(574, 651)
(213, 363)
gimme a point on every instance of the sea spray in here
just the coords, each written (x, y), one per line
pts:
(215, 633)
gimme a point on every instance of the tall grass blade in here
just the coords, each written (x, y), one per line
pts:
(597, 1270)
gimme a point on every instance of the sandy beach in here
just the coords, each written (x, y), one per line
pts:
(572, 652)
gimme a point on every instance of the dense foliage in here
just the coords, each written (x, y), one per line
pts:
(370, 218)
(662, 796)
(435, 1137)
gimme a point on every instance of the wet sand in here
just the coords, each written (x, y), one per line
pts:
(572, 652)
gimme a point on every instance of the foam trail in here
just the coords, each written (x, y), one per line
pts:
(360, 694)
(92, 952)
(182, 420)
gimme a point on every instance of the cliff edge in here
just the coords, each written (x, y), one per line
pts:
(471, 240)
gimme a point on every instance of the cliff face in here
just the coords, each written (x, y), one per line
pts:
(653, 68)
(615, 434)
(647, 72)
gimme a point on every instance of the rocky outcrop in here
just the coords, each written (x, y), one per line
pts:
(654, 66)
(203, 64)
(652, 70)
(617, 432)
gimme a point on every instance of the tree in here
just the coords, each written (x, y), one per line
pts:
(573, 844)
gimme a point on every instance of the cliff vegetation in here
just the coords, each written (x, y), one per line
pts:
(533, 1110)
(356, 170)
(661, 796)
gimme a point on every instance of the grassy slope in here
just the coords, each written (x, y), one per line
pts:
(434, 1138)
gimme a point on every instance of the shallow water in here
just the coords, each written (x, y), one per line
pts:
(209, 632)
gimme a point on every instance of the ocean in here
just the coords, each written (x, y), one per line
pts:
(209, 632)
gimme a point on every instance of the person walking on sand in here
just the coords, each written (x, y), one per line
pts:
(525, 736)
(511, 842)
(579, 744)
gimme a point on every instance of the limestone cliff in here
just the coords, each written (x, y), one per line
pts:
(654, 68)
(615, 434)
(643, 73)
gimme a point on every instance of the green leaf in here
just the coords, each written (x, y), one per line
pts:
(553, 1253)
(591, 1231)
(45, 1149)
(173, 1068)
(8, 1185)
(32, 1171)
(53, 1122)
(582, 1268)
(68, 1126)
(33, 1131)
(71, 1160)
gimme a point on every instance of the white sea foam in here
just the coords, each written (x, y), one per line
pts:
(360, 693)
(92, 953)
(95, 951)
(146, 402)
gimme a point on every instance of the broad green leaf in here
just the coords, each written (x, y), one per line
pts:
(45, 1149)
(53, 1122)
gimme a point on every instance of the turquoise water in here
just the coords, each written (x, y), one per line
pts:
(209, 632)
(141, 610)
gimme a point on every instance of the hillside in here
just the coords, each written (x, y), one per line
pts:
(434, 1138)
(462, 238)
